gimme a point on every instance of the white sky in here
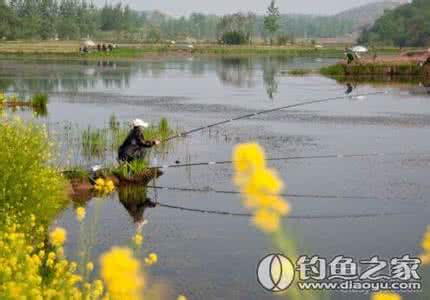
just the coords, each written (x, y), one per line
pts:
(185, 7)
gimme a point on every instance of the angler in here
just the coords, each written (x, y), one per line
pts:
(135, 146)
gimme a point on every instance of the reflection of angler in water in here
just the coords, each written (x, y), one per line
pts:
(134, 200)
(349, 88)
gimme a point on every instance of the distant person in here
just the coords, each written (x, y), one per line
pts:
(135, 146)
(99, 47)
(110, 47)
(349, 58)
(104, 47)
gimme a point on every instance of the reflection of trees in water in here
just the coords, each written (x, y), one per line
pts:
(237, 71)
(270, 71)
(61, 76)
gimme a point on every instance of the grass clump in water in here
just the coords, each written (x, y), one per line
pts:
(39, 103)
(94, 142)
(299, 72)
(333, 70)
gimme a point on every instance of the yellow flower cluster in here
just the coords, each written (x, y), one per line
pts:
(80, 214)
(386, 296)
(151, 259)
(138, 239)
(425, 257)
(25, 268)
(260, 186)
(121, 272)
(104, 186)
(58, 236)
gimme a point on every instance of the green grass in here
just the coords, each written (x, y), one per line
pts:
(76, 172)
(94, 142)
(333, 70)
(300, 72)
(28, 184)
(135, 168)
(39, 103)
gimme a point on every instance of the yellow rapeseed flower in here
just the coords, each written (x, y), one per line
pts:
(248, 157)
(121, 273)
(266, 220)
(58, 236)
(138, 239)
(90, 266)
(386, 296)
(263, 182)
(80, 213)
(181, 297)
(426, 241)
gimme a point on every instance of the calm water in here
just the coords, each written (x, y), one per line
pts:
(215, 256)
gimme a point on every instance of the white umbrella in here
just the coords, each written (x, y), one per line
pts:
(359, 49)
(89, 43)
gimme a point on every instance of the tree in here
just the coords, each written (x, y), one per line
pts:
(271, 20)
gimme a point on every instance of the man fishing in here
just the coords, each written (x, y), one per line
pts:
(135, 146)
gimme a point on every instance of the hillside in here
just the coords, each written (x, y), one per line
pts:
(407, 25)
(366, 15)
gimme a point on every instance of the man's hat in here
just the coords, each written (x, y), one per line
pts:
(139, 123)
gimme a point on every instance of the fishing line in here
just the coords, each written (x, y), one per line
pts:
(286, 195)
(298, 217)
(183, 134)
(328, 156)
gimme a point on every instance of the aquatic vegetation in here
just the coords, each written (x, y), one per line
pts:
(299, 72)
(121, 272)
(386, 296)
(94, 142)
(134, 168)
(333, 70)
(39, 103)
(28, 184)
(260, 187)
(76, 172)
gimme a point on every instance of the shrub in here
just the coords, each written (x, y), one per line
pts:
(234, 38)
(27, 184)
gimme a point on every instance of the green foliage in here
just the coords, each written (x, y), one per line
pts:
(134, 168)
(234, 38)
(271, 20)
(28, 184)
(39, 102)
(94, 142)
(407, 25)
(299, 72)
(76, 172)
(333, 70)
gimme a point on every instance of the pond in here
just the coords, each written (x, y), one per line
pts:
(353, 206)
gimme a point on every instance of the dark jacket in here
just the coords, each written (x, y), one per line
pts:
(134, 147)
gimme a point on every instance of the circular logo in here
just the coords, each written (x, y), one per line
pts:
(275, 273)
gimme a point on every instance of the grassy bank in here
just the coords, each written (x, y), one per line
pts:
(377, 70)
(70, 49)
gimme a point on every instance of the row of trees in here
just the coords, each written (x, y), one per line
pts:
(408, 25)
(71, 19)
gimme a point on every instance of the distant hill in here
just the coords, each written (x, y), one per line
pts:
(366, 15)
(407, 25)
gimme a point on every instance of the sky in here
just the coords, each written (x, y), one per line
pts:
(185, 7)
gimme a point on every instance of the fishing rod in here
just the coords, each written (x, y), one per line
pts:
(312, 157)
(298, 217)
(286, 195)
(183, 134)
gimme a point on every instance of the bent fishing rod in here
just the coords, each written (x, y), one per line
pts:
(262, 112)
(287, 158)
(298, 217)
